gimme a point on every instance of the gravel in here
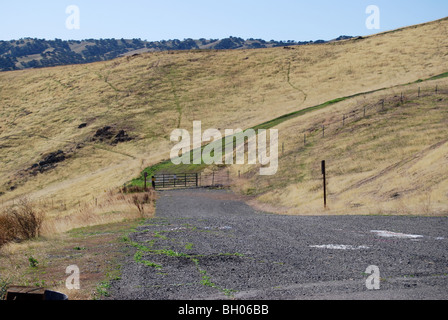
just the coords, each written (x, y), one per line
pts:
(210, 245)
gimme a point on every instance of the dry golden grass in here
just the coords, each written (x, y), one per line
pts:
(79, 238)
(108, 209)
(152, 94)
(392, 161)
(21, 222)
(56, 218)
(95, 251)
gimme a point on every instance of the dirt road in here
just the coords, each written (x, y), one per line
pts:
(209, 244)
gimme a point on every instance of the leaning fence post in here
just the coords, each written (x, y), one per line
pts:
(419, 92)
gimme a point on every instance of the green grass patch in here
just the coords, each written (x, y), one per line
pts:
(274, 122)
(103, 289)
(138, 257)
(440, 76)
(165, 167)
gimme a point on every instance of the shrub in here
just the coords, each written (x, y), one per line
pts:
(6, 230)
(134, 189)
(141, 199)
(21, 222)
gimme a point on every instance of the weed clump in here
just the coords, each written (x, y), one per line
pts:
(142, 199)
(4, 283)
(20, 223)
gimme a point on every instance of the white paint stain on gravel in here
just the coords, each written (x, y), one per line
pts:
(390, 234)
(218, 228)
(177, 229)
(340, 247)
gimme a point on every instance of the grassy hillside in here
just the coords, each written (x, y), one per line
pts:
(382, 157)
(147, 96)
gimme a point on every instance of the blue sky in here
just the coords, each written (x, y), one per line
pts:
(178, 19)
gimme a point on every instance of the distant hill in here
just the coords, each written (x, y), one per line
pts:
(38, 53)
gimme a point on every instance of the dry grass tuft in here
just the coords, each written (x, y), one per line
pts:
(111, 208)
(21, 222)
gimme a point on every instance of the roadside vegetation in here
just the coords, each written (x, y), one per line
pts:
(36, 248)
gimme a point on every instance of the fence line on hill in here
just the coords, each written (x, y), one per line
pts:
(365, 110)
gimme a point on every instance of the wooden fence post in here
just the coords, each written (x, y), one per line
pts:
(325, 183)
(146, 177)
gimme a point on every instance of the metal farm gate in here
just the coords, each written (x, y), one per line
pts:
(184, 180)
(191, 180)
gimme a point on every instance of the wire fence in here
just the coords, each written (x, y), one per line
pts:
(364, 110)
(219, 178)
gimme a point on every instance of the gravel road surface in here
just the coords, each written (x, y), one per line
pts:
(210, 245)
